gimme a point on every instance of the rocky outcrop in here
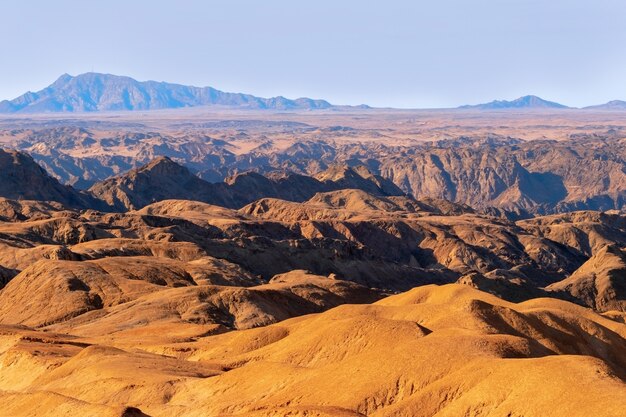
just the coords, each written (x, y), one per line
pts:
(21, 178)
(600, 282)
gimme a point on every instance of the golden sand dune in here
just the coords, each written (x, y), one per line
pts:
(445, 351)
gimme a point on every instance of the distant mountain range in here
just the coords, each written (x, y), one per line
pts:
(611, 105)
(526, 102)
(93, 92)
(537, 103)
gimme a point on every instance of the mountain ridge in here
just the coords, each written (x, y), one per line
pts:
(163, 179)
(611, 105)
(524, 102)
(93, 92)
(526, 177)
(21, 178)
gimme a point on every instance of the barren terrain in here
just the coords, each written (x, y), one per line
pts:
(329, 263)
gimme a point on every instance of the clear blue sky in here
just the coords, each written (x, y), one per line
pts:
(385, 53)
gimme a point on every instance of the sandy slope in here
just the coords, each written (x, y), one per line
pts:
(445, 351)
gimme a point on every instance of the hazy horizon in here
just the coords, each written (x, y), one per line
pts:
(393, 54)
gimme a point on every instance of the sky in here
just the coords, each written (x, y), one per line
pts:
(388, 53)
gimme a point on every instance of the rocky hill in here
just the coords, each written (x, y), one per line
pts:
(21, 178)
(164, 179)
(600, 281)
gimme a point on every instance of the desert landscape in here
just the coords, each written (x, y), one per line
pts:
(313, 209)
(344, 262)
